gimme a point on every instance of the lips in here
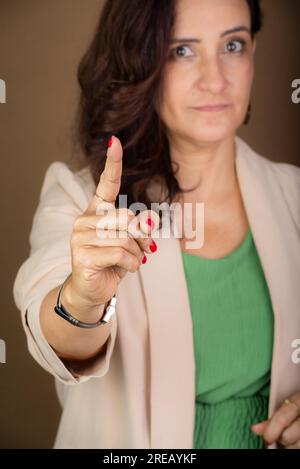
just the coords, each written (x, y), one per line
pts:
(212, 107)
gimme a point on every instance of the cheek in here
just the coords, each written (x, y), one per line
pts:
(241, 86)
(240, 77)
(174, 92)
(176, 84)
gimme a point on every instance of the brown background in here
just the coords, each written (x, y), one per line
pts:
(41, 42)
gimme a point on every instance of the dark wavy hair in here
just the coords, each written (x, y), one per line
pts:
(120, 77)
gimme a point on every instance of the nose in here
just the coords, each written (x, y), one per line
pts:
(212, 78)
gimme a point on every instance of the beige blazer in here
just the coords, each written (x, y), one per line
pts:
(140, 393)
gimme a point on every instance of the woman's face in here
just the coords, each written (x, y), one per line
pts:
(210, 64)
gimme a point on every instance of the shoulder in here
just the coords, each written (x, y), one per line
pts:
(288, 179)
(281, 179)
(287, 173)
(63, 184)
(284, 172)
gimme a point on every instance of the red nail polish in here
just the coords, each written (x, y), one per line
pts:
(150, 223)
(144, 260)
(110, 142)
(153, 246)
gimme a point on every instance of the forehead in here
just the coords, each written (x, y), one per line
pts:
(205, 17)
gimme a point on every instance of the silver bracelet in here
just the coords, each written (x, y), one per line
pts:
(109, 310)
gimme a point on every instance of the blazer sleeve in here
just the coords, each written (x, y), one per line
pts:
(63, 197)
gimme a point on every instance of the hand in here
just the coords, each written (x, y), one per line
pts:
(283, 426)
(106, 242)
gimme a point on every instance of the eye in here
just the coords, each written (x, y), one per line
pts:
(180, 51)
(235, 46)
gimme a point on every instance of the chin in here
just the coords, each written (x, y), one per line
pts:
(214, 134)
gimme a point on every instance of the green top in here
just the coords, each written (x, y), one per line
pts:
(233, 338)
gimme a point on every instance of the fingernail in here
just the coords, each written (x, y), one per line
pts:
(153, 246)
(110, 142)
(144, 260)
(150, 223)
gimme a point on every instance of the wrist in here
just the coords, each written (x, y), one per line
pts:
(80, 309)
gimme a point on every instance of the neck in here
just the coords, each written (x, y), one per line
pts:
(209, 168)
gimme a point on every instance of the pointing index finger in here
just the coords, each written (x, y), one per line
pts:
(110, 178)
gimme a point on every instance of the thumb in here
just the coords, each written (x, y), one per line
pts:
(260, 427)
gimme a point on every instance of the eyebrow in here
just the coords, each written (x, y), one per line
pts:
(237, 29)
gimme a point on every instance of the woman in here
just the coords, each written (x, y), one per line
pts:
(199, 353)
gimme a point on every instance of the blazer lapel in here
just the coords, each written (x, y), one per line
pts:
(172, 388)
(172, 363)
(277, 244)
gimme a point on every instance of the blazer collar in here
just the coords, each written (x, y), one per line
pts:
(172, 364)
